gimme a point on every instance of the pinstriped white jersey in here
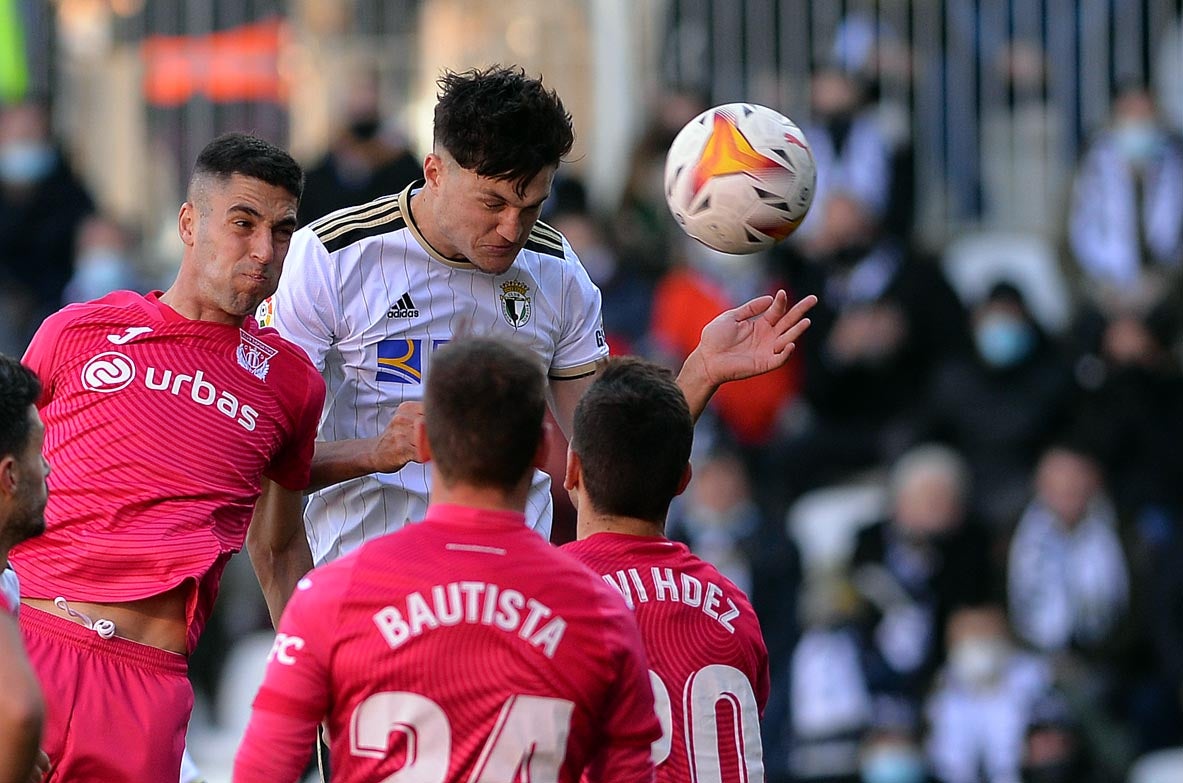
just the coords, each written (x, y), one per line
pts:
(370, 300)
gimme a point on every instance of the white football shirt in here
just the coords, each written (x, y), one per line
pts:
(370, 300)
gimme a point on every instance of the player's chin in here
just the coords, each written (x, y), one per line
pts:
(251, 296)
(495, 260)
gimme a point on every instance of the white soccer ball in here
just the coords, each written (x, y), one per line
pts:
(739, 177)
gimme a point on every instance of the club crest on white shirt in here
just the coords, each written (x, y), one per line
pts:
(254, 355)
(516, 306)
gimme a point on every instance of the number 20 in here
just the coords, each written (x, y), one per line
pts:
(703, 691)
(530, 734)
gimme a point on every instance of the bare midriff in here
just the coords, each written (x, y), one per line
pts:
(157, 621)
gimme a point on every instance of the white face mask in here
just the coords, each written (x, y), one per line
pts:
(25, 162)
(978, 661)
(97, 273)
(893, 764)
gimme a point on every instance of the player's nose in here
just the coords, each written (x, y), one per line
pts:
(510, 226)
(263, 247)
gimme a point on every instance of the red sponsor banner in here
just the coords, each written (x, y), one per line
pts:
(239, 64)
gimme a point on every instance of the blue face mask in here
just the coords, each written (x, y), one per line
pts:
(1003, 341)
(1138, 141)
(892, 764)
(25, 162)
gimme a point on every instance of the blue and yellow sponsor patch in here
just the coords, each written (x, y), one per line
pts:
(400, 360)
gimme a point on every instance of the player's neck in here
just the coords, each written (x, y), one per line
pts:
(590, 522)
(423, 215)
(485, 498)
(191, 308)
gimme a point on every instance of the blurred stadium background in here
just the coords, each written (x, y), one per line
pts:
(982, 169)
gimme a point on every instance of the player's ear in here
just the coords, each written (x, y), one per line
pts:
(433, 169)
(684, 481)
(422, 447)
(185, 221)
(573, 476)
(8, 477)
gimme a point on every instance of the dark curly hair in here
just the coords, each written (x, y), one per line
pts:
(501, 124)
(19, 388)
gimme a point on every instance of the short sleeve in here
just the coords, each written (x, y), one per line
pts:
(306, 306)
(294, 696)
(296, 683)
(291, 467)
(581, 342)
(43, 350)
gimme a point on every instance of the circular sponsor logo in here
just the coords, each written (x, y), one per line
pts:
(108, 372)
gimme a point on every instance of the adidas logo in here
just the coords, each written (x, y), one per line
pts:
(403, 308)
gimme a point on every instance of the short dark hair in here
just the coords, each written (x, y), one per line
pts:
(19, 388)
(501, 124)
(633, 432)
(250, 156)
(483, 405)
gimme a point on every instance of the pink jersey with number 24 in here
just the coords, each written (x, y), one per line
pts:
(463, 648)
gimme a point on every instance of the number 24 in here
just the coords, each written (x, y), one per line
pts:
(530, 734)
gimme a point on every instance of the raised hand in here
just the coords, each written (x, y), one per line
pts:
(752, 339)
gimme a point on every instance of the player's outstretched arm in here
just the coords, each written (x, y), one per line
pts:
(750, 340)
(341, 460)
(278, 545)
(22, 709)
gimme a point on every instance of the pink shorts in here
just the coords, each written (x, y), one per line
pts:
(116, 710)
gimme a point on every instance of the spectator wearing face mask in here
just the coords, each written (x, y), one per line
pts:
(982, 703)
(42, 203)
(850, 147)
(1000, 405)
(1126, 220)
(891, 750)
(366, 159)
(104, 262)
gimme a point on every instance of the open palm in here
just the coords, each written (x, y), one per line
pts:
(752, 339)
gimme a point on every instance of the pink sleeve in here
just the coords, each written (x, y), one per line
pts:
(292, 466)
(274, 750)
(294, 696)
(41, 352)
(630, 727)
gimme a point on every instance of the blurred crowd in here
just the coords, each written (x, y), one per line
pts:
(958, 510)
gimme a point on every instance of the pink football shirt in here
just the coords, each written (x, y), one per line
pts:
(157, 430)
(462, 648)
(708, 659)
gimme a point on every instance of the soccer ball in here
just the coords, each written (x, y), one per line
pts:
(739, 177)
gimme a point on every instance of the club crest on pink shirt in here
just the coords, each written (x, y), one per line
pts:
(254, 355)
